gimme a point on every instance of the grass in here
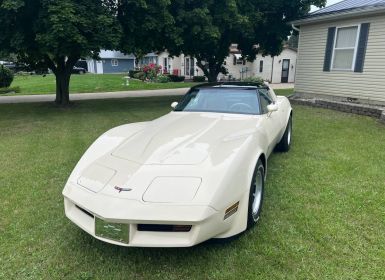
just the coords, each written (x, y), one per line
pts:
(36, 84)
(323, 215)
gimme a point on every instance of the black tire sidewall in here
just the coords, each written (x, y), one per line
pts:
(250, 219)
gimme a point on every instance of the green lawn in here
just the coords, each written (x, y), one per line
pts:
(37, 84)
(323, 218)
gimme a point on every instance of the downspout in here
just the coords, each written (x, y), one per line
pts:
(298, 30)
(295, 28)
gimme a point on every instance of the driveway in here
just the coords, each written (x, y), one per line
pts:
(107, 95)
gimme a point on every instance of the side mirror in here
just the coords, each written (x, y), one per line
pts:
(173, 105)
(272, 107)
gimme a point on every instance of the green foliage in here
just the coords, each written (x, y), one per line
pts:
(148, 25)
(257, 80)
(151, 72)
(6, 77)
(163, 79)
(9, 90)
(140, 76)
(176, 78)
(132, 73)
(199, 79)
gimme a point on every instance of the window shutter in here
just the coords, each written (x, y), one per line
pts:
(329, 48)
(361, 50)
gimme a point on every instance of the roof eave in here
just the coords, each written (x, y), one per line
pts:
(340, 15)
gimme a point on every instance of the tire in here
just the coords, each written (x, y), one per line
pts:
(256, 194)
(285, 143)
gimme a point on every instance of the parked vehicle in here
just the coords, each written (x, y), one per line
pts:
(194, 174)
(78, 70)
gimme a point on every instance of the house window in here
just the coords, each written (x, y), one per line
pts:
(345, 48)
(261, 66)
(238, 60)
(114, 62)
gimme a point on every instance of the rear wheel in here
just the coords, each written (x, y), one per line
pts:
(256, 195)
(284, 144)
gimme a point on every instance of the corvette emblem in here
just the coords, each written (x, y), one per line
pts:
(122, 189)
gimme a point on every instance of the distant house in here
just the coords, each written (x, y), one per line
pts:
(277, 69)
(342, 52)
(111, 62)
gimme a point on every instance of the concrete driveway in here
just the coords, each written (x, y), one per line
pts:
(107, 95)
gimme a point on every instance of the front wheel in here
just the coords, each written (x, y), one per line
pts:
(284, 144)
(256, 195)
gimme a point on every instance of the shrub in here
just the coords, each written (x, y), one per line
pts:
(257, 80)
(163, 79)
(151, 71)
(9, 90)
(132, 73)
(6, 77)
(199, 79)
(176, 78)
(139, 76)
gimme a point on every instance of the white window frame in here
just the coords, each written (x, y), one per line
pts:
(114, 62)
(355, 47)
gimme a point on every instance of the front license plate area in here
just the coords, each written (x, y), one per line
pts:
(112, 231)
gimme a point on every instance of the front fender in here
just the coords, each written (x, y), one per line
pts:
(104, 145)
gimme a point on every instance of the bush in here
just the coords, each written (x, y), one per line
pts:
(9, 90)
(132, 73)
(6, 77)
(257, 80)
(176, 78)
(199, 79)
(139, 76)
(162, 79)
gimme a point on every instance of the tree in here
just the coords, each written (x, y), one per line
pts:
(147, 25)
(208, 27)
(56, 34)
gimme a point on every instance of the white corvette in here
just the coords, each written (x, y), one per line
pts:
(194, 174)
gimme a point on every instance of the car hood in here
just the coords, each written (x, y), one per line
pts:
(184, 138)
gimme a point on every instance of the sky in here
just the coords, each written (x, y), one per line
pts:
(329, 2)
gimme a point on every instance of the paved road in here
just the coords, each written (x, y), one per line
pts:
(106, 95)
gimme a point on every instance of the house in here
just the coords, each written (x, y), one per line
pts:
(277, 69)
(111, 62)
(342, 52)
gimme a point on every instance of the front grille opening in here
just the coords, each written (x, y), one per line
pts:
(164, 228)
(85, 211)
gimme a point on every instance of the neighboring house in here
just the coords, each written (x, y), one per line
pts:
(342, 52)
(277, 69)
(111, 62)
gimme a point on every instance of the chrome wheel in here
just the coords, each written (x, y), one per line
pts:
(257, 195)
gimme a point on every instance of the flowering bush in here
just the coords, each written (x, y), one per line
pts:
(151, 71)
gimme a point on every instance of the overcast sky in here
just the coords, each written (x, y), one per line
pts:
(329, 2)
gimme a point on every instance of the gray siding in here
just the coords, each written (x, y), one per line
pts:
(366, 86)
(124, 65)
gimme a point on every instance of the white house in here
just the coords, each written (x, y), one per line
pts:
(277, 69)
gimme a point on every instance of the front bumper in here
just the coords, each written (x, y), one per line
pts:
(83, 207)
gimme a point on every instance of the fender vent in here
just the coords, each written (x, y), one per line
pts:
(164, 228)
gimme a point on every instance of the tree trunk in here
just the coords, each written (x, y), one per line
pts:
(62, 67)
(210, 70)
(62, 88)
(213, 75)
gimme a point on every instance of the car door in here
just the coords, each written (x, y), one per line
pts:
(271, 121)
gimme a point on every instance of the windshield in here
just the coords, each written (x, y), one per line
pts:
(221, 100)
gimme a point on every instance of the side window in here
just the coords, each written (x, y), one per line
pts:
(265, 100)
